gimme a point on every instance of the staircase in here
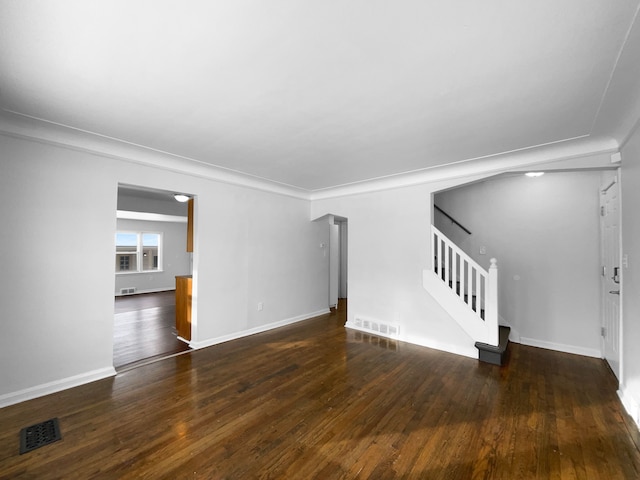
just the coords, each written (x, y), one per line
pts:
(469, 293)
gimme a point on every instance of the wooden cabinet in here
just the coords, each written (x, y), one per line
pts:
(183, 287)
(183, 306)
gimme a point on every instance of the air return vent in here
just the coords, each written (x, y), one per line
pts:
(127, 291)
(385, 329)
(39, 435)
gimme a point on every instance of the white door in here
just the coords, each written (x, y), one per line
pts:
(611, 272)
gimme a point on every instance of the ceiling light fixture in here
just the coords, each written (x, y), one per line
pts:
(181, 197)
(534, 174)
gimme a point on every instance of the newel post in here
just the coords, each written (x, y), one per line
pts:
(491, 306)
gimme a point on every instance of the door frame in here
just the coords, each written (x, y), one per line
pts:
(190, 246)
(607, 282)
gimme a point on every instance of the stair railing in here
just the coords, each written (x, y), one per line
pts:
(453, 220)
(472, 284)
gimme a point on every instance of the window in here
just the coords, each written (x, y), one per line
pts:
(125, 262)
(138, 252)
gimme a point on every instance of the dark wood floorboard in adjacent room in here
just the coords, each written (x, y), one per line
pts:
(144, 329)
(317, 401)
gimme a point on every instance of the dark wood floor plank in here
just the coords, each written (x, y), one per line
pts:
(144, 329)
(315, 400)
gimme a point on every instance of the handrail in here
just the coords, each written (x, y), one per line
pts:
(453, 220)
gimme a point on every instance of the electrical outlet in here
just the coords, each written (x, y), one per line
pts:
(260, 306)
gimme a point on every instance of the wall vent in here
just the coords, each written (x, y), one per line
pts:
(385, 329)
(127, 291)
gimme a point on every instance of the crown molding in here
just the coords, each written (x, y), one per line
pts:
(571, 150)
(580, 153)
(31, 128)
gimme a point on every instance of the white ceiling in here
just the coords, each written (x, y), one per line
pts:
(325, 93)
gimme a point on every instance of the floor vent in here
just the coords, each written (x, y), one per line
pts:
(39, 435)
(127, 291)
(386, 329)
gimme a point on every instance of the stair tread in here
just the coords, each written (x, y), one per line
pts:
(502, 344)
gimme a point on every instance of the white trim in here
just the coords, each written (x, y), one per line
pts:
(621, 349)
(50, 133)
(55, 386)
(630, 405)
(148, 290)
(149, 217)
(514, 334)
(471, 351)
(253, 331)
(560, 347)
(133, 272)
(562, 151)
(43, 131)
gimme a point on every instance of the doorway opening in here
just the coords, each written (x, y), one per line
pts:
(338, 261)
(151, 252)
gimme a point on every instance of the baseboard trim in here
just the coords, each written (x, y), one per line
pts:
(253, 331)
(630, 405)
(470, 352)
(149, 290)
(55, 386)
(560, 347)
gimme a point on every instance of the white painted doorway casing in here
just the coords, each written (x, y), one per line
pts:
(334, 264)
(611, 275)
(342, 293)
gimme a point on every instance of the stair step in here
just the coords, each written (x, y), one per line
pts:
(492, 354)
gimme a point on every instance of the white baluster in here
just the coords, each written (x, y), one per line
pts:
(478, 293)
(470, 284)
(439, 257)
(447, 249)
(454, 272)
(434, 258)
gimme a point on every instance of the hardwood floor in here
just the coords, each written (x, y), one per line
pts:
(317, 401)
(144, 329)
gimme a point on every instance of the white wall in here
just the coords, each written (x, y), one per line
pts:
(57, 315)
(388, 250)
(544, 233)
(175, 258)
(389, 247)
(251, 247)
(630, 187)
